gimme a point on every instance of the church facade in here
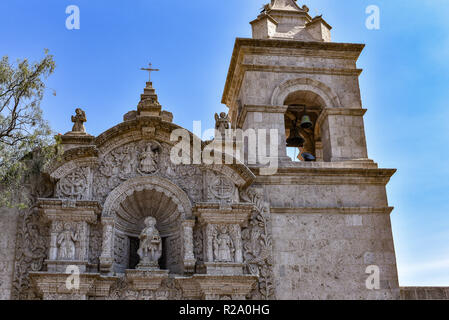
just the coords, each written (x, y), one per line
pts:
(117, 218)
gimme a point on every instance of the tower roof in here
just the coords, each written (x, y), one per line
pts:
(284, 19)
(289, 5)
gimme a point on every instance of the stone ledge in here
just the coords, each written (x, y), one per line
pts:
(326, 176)
(424, 293)
(333, 210)
(146, 279)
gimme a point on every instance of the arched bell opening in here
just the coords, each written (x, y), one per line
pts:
(301, 125)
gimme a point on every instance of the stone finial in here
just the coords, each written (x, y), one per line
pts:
(149, 104)
(285, 5)
(284, 19)
(78, 119)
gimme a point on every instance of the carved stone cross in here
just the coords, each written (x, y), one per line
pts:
(222, 188)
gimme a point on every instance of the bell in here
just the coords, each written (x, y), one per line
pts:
(306, 123)
(295, 140)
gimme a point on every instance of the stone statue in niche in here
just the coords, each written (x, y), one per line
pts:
(78, 119)
(223, 246)
(148, 159)
(66, 243)
(150, 250)
(222, 123)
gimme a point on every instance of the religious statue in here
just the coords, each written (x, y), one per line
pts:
(148, 162)
(221, 124)
(150, 249)
(78, 120)
(223, 246)
(66, 243)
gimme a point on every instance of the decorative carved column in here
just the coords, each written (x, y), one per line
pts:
(187, 248)
(106, 258)
(70, 228)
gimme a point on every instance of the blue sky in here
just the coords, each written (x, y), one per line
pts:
(404, 85)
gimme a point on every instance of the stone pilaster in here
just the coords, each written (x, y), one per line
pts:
(343, 134)
(187, 248)
(106, 258)
(261, 117)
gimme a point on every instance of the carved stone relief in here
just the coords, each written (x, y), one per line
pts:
(173, 247)
(257, 245)
(149, 159)
(31, 251)
(198, 244)
(121, 252)
(140, 159)
(220, 188)
(123, 290)
(75, 185)
(223, 244)
(67, 242)
(95, 240)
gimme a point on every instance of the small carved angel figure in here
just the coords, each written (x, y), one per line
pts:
(221, 124)
(66, 243)
(223, 246)
(78, 120)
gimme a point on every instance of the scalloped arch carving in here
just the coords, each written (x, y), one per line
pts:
(305, 84)
(153, 183)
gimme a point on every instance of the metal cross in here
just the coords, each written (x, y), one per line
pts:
(150, 69)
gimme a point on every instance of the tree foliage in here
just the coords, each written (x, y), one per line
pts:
(26, 141)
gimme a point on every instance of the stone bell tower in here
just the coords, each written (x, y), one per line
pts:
(330, 214)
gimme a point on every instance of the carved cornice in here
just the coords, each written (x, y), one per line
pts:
(258, 108)
(77, 139)
(305, 70)
(340, 112)
(217, 213)
(270, 46)
(86, 155)
(334, 210)
(226, 285)
(146, 279)
(91, 284)
(326, 176)
(70, 210)
(63, 204)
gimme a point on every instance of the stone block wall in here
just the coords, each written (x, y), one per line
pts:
(8, 229)
(325, 256)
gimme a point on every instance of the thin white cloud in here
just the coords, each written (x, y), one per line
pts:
(409, 270)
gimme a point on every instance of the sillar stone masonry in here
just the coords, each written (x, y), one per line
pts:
(139, 227)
